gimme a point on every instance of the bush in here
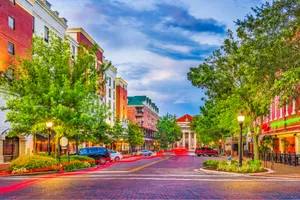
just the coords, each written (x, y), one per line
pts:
(32, 162)
(249, 167)
(210, 163)
(254, 162)
(77, 162)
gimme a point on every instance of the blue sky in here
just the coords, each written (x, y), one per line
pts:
(153, 43)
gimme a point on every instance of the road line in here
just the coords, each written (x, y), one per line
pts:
(147, 165)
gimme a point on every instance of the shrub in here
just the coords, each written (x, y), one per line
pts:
(254, 162)
(210, 163)
(249, 167)
(32, 162)
(77, 162)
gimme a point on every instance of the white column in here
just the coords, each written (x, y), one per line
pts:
(189, 140)
(195, 140)
(177, 144)
(183, 140)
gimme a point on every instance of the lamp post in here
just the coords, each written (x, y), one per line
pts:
(241, 119)
(49, 126)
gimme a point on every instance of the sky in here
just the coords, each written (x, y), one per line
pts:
(154, 43)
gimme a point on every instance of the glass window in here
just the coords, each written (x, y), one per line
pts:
(109, 92)
(46, 34)
(109, 81)
(83, 151)
(93, 150)
(11, 48)
(114, 84)
(33, 26)
(11, 22)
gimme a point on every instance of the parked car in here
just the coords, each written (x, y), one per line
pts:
(115, 155)
(146, 153)
(206, 151)
(100, 154)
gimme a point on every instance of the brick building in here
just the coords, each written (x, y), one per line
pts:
(16, 27)
(283, 123)
(121, 94)
(141, 110)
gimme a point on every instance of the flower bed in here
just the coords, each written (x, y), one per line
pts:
(252, 166)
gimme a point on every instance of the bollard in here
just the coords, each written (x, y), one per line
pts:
(61, 169)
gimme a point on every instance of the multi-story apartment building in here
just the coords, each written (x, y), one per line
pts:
(141, 110)
(283, 123)
(16, 27)
(110, 85)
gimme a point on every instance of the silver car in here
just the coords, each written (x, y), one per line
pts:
(146, 153)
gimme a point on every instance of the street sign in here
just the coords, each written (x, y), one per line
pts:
(63, 142)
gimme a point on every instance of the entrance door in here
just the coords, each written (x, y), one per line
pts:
(10, 148)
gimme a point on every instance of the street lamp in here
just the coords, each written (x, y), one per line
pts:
(241, 119)
(49, 126)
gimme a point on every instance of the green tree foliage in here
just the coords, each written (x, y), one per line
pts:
(135, 136)
(168, 130)
(249, 71)
(48, 86)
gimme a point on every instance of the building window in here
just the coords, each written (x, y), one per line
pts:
(114, 106)
(11, 22)
(114, 95)
(46, 34)
(114, 84)
(287, 109)
(11, 48)
(73, 51)
(12, 1)
(33, 22)
(109, 92)
(109, 81)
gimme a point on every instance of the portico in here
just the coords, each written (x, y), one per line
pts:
(189, 138)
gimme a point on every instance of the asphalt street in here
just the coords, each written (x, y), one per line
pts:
(171, 177)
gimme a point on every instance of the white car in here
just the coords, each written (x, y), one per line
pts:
(115, 155)
(146, 153)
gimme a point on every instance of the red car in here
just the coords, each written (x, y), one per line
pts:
(206, 151)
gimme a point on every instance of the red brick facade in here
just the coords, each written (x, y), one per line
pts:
(121, 100)
(20, 36)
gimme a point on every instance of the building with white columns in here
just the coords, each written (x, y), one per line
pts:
(189, 138)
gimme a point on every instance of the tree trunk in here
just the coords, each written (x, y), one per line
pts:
(34, 144)
(223, 145)
(232, 144)
(255, 146)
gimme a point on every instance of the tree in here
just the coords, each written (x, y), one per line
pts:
(134, 135)
(51, 86)
(168, 130)
(117, 131)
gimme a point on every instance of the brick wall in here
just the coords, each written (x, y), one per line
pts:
(20, 37)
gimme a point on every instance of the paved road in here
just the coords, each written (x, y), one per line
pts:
(172, 177)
